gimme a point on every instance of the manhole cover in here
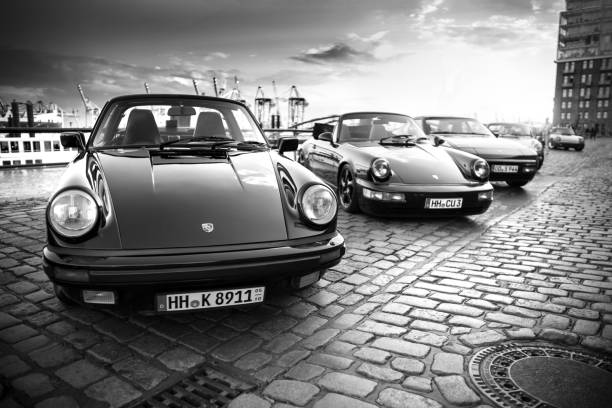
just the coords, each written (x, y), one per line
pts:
(542, 376)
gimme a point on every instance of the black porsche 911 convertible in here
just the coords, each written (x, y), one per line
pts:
(510, 161)
(383, 164)
(176, 202)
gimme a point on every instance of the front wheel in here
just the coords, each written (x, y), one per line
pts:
(62, 296)
(347, 190)
(551, 145)
(579, 148)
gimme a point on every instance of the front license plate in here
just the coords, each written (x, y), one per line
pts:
(210, 299)
(504, 168)
(443, 203)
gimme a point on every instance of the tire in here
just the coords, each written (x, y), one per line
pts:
(517, 183)
(62, 296)
(579, 148)
(347, 190)
(551, 145)
(566, 148)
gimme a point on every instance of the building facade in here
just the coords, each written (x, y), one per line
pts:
(583, 95)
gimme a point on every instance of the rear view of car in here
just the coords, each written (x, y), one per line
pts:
(565, 138)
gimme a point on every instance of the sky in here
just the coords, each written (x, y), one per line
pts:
(492, 59)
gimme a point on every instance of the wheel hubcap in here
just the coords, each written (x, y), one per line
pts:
(346, 187)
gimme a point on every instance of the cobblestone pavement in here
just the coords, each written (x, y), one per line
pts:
(393, 325)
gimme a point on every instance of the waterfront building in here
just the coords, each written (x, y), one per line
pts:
(583, 95)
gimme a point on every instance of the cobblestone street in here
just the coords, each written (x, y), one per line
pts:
(394, 325)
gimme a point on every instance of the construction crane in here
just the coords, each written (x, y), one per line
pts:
(90, 107)
(276, 122)
(147, 90)
(296, 107)
(263, 107)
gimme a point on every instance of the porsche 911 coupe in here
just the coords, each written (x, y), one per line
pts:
(564, 138)
(176, 202)
(510, 161)
(383, 164)
(524, 134)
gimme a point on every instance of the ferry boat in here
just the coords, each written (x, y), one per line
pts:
(23, 149)
(42, 149)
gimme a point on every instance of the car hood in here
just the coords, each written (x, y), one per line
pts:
(566, 138)
(418, 164)
(489, 147)
(162, 202)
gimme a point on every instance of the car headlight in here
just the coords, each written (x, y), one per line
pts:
(537, 146)
(73, 213)
(580, 139)
(318, 205)
(480, 169)
(381, 170)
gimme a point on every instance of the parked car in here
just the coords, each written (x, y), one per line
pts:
(524, 134)
(383, 164)
(564, 137)
(510, 161)
(177, 202)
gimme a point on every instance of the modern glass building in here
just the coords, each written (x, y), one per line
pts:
(583, 95)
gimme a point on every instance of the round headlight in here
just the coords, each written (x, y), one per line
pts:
(73, 213)
(318, 204)
(537, 146)
(381, 170)
(480, 169)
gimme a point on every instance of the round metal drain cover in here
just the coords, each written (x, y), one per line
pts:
(542, 376)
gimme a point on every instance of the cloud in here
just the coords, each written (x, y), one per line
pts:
(373, 39)
(338, 52)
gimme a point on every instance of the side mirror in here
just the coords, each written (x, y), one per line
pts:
(73, 139)
(326, 137)
(438, 140)
(287, 144)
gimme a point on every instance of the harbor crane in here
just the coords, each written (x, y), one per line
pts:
(263, 107)
(296, 107)
(234, 94)
(275, 117)
(195, 87)
(90, 107)
(147, 89)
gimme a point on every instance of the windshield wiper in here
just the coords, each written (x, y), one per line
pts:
(398, 139)
(217, 141)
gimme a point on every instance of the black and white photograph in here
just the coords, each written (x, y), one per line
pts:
(315, 204)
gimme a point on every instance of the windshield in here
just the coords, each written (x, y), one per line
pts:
(360, 127)
(456, 127)
(153, 122)
(563, 131)
(510, 129)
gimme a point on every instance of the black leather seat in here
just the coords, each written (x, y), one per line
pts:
(209, 124)
(141, 128)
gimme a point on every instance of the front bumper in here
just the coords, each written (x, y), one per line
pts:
(415, 197)
(567, 143)
(135, 275)
(527, 169)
